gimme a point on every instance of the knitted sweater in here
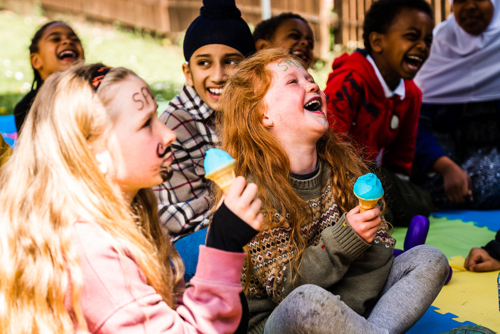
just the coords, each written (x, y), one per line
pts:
(336, 258)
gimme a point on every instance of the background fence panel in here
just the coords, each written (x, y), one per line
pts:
(171, 17)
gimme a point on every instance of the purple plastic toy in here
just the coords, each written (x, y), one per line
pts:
(416, 235)
(417, 232)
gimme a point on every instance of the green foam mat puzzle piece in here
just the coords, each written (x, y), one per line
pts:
(452, 237)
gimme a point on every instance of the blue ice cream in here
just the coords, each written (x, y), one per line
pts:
(368, 187)
(215, 159)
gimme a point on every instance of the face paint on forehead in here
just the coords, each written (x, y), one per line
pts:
(289, 63)
(143, 98)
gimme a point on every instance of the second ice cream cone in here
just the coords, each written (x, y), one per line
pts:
(223, 176)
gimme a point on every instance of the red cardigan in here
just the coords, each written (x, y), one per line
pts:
(357, 105)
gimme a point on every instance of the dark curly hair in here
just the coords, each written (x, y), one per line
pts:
(382, 13)
(265, 29)
(37, 81)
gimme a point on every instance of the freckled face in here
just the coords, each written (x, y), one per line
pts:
(144, 155)
(473, 16)
(295, 104)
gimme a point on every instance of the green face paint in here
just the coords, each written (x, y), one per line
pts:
(290, 63)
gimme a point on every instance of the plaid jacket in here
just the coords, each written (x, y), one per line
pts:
(184, 200)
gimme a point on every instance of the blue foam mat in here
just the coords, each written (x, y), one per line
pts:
(434, 323)
(488, 218)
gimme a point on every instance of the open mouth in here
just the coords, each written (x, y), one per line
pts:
(314, 104)
(69, 55)
(302, 55)
(414, 62)
(215, 91)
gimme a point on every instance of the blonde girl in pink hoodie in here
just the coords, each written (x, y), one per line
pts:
(80, 246)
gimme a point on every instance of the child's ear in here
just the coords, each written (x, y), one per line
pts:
(267, 122)
(36, 61)
(262, 44)
(187, 74)
(376, 42)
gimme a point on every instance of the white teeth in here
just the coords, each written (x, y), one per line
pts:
(417, 58)
(313, 102)
(66, 53)
(215, 91)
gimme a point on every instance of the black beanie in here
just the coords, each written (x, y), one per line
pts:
(219, 22)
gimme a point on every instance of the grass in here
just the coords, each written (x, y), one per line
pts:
(157, 60)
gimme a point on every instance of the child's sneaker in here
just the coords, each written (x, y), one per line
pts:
(469, 329)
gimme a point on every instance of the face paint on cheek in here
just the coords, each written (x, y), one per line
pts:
(166, 150)
(166, 172)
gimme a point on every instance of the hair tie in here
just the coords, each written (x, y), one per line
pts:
(98, 76)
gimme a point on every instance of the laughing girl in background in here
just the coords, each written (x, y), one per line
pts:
(318, 265)
(80, 245)
(55, 47)
(288, 31)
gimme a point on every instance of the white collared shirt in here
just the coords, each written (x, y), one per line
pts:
(400, 89)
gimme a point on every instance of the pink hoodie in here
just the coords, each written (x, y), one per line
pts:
(117, 299)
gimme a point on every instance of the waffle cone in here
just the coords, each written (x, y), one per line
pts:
(366, 204)
(223, 176)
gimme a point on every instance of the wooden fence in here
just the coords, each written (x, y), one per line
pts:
(352, 14)
(170, 17)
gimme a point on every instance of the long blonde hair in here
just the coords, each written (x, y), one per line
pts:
(50, 182)
(260, 156)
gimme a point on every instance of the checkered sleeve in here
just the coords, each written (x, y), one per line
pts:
(184, 199)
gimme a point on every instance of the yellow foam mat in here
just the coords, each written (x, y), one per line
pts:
(471, 297)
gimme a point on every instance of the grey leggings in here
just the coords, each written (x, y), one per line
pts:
(415, 279)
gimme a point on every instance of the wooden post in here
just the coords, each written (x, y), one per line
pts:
(345, 21)
(164, 17)
(352, 21)
(324, 28)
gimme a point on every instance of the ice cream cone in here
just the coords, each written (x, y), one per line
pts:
(366, 204)
(223, 176)
(368, 189)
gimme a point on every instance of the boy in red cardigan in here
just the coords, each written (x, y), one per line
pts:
(373, 99)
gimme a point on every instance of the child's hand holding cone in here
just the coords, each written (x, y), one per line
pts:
(365, 218)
